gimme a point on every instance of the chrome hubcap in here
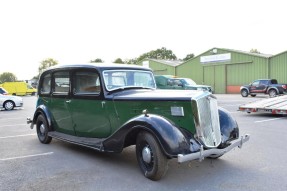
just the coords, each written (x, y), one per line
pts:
(146, 153)
(9, 105)
(42, 128)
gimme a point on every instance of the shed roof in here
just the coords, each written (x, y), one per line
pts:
(168, 62)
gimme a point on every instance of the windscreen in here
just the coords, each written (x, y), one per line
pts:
(115, 79)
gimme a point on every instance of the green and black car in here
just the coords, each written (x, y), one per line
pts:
(108, 107)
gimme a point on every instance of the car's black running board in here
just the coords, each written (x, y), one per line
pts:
(94, 143)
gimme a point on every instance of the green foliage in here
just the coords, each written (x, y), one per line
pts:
(254, 50)
(119, 61)
(189, 56)
(162, 54)
(7, 77)
(97, 60)
(131, 61)
(46, 64)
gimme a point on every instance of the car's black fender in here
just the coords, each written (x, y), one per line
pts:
(173, 141)
(228, 126)
(42, 109)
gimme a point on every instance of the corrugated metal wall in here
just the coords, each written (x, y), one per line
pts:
(278, 67)
(160, 68)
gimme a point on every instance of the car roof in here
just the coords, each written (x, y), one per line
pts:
(101, 66)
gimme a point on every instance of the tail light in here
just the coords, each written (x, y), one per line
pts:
(284, 86)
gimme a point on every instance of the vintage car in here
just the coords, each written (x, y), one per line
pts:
(174, 82)
(9, 102)
(108, 107)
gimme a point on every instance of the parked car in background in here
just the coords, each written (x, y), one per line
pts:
(173, 82)
(108, 107)
(263, 86)
(3, 91)
(19, 88)
(9, 102)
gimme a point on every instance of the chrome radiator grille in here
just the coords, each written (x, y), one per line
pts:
(206, 118)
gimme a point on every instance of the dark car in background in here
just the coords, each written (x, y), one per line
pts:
(108, 107)
(263, 86)
(173, 82)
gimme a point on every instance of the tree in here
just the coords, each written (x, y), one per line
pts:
(254, 50)
(46, 64)
(161, 53)
(131, 61)
(7, 77)
(97, 60)
(119, 61)
(189, 56)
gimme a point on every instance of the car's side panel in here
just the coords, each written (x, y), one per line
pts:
(90, 118)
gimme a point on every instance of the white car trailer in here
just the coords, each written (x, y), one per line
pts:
(275, 105)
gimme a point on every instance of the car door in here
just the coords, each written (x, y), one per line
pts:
(88, 106)
(60, 101)
(254, 86)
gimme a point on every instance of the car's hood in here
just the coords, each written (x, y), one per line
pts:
(158, 94)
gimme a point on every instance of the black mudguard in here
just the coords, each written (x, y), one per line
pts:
(228, 126)
(173, 141)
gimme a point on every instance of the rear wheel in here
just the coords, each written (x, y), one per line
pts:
(9, 105)
(272, 93)
(152, 161)
(42, 130)
(244, 93)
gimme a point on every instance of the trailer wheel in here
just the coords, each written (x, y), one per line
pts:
(244, 93)
(272, 93)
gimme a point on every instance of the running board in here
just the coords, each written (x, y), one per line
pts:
(93, 143)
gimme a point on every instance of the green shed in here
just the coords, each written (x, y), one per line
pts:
(161, 67)
(225, 69)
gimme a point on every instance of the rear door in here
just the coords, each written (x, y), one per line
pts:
(60, 101)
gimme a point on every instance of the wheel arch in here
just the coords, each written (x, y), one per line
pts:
(245, 88)
(9, 100)
(273, 88)
(42, 110)
(170, 138)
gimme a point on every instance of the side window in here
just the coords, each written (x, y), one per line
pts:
(62, 82)
(45, 86)
(255, 83)
(86, 83)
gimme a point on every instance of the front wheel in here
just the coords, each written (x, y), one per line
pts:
(42, 130)
(244, 93)
(151, 159)
(272, 93)
(9, 105)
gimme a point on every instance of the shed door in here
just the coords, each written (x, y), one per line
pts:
(215, 76)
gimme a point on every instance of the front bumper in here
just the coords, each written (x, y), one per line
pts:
(211, 152)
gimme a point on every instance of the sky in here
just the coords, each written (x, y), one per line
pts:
(77, 31)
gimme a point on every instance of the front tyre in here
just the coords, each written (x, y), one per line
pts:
(42, 130)
(152, 161)
(244, 93)
(9, 105)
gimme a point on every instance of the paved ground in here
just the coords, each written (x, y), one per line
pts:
(26, 164)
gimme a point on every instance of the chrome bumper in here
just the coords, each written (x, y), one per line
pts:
(206, 153)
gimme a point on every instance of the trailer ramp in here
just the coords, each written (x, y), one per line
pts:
(276, 105)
